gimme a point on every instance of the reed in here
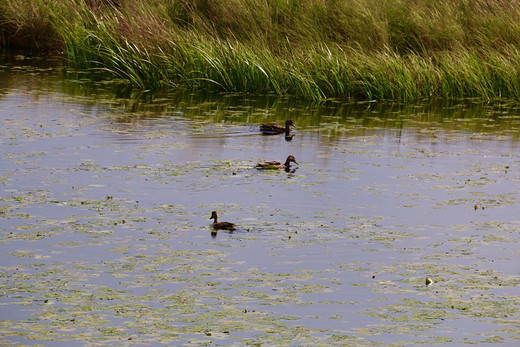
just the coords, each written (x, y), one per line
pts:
(27, 26)
(364, 49)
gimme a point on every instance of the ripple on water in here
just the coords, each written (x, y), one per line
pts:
(104, 221)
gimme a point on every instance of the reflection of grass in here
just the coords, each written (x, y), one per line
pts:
(314, 49)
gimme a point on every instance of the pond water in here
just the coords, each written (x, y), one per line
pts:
(105, 235)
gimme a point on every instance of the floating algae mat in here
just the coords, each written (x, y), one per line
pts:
(105, 202)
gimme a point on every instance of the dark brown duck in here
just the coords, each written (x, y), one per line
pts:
(221, 225)
(274, 129)
(276, 165)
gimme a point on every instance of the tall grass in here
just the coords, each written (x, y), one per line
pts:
(363, 49)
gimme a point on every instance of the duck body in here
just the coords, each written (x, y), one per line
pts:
(276, 165)
(274, 129)
(221, 225)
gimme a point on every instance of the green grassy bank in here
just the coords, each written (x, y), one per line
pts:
(403, 50)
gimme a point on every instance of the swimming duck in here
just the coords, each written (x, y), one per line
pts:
(273, 129)
(275, 165)
(221, 225)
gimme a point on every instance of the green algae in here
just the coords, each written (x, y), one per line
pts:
(106, 239)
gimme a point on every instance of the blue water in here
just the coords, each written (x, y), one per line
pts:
(105, 206)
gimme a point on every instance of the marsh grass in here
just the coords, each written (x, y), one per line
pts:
(371, 49)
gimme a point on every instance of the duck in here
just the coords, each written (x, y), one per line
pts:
(221, 225)
(274, 129)
(275, 165)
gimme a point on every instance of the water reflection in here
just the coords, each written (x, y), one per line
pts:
(336, 118)
(104, 218)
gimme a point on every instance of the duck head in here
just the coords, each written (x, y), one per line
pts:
(290, 159)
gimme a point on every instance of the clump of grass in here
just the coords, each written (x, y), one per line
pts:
(364, 49)
(27, 25)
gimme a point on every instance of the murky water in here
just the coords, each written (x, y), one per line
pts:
(105, 203)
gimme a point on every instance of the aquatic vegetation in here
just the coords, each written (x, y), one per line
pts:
(104, 220)
(366, 50)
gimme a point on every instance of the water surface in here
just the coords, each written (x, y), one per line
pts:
(106, 196)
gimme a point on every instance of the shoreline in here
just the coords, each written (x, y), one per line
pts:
(353, 50)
